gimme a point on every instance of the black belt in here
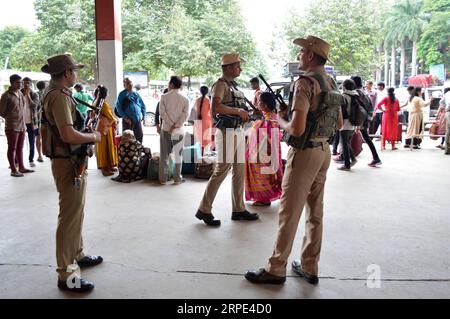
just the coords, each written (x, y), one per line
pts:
(311, 144)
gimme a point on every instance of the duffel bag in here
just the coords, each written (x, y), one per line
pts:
(205, 168)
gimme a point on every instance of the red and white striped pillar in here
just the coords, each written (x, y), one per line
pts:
(108, 18)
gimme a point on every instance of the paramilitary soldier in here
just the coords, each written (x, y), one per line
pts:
(59, 137)
(230, 112)
(315, 117)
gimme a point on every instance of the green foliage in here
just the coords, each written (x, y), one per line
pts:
(433, 45)
(163, 37)
(66, 27)
(348, 25)
(405, 21)
(9, 38)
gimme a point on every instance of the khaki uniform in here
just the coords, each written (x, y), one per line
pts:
(60, 111)
(303, 183)
(230, 145)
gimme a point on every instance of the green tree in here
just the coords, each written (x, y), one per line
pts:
(406, 21)
(183, 49)
(186, 37)
(67, 26)
(348, 25)
(9, 37)
(433, 45)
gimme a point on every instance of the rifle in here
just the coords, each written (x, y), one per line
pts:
(85, 150)
(277, 95)
(257, 115)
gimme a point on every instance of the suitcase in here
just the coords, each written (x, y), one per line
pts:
(191, 155)
(400, 133)
(153, 168)
(356, 143)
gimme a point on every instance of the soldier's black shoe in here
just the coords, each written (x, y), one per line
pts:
(297, 268)
(244, 216)
(89, 261)
(208, 219)
(82, 287)
(261, 276)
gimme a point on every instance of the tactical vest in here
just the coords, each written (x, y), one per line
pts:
(52, 145)
(223, 121)
(321, 123)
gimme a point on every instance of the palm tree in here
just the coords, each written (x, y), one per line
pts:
(406, 22)
(390, 41)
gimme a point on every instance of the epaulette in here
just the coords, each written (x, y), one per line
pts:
(67, 92)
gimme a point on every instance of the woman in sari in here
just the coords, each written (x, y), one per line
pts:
(133, 159)
(107, 157)
(416, 124)
(203, 123)
(264, 166)
(390, 107)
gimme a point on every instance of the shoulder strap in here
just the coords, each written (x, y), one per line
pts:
(232, 89)
(324, 87)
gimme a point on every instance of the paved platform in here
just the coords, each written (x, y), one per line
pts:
(396, 217)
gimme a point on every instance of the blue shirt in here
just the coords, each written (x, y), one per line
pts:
(135, 111)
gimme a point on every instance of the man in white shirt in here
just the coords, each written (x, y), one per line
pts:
(378, 116)
(174, 111)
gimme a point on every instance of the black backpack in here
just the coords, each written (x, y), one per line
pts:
(358, 113)
(367, 103)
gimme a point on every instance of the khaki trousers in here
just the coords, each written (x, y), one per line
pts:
(69, 241)
(447, 134)
(303, 183)
(230, 147)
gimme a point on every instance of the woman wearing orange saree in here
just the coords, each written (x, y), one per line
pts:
(203, 124)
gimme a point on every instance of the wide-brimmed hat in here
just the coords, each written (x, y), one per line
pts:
(228, 59)
(316, 45)
(60, 63)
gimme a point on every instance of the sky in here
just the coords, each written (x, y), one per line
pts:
(17, 12)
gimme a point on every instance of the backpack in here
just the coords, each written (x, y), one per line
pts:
(367, 103)
(322, 122)
(358, 113)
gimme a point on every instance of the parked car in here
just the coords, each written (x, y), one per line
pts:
(150, 118)
(437, 92)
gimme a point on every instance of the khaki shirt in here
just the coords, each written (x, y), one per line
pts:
(307, 95)
(12, 106)
(222, 90)
(59, 109)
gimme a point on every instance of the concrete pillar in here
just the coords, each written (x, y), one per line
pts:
(109, 46)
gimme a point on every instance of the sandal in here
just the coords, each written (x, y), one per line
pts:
(16, 174)
(26, 170)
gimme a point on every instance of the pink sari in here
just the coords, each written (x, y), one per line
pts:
(264, 166)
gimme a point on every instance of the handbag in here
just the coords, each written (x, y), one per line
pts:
(205, 168)
(434, 130)
(356, 143)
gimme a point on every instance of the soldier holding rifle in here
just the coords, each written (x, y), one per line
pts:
(315, 117)
(230, 113)
(59, 137)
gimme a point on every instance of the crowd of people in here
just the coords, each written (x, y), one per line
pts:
(320, 115)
